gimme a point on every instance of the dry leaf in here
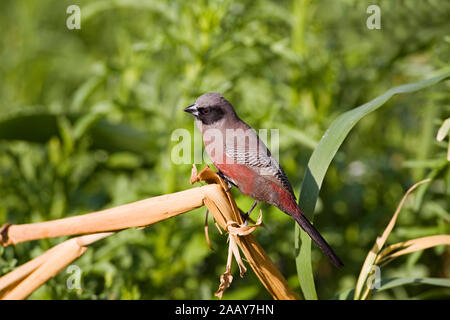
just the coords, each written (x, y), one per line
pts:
(411, 246)
(141, 213)
(225, 282)
(206, 231)
(379, 243)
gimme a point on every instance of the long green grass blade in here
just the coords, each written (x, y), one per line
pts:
(397, 282)
(318, 165)
(390, 283)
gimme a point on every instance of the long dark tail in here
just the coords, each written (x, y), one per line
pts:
(317, 238)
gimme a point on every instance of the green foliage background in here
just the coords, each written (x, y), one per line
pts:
(86, 118)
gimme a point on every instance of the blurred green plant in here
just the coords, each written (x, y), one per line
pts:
(86, 118)
(379, 255)
(317, 167)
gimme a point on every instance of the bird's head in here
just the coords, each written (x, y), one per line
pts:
(211, 108)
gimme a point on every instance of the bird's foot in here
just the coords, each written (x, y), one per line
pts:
(224, 178)
(247, 214)
(229, 186)
(244, 216)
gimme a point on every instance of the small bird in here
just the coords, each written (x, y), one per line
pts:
(244, 161)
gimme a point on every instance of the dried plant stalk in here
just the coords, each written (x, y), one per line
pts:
(136, 214)
(21, 282)
(225, 210)
(66, 253)
(24, 270)
(37, 271)
(405, 247)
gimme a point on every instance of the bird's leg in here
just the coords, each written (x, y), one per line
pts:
(247, 214)
(224, 178)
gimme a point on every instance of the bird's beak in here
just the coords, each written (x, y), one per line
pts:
(192, 109)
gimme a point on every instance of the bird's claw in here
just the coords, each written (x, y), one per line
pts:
(229, 184)
(245, 216)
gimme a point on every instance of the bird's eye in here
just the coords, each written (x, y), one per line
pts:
(204, 111)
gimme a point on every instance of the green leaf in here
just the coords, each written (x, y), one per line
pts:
(346, 295)
(397, 282)
(93, 9)
(36, 127)
(423, 188)
(318, 165)
(42, 126)
(124, 160)
(66, 133)
(85, 91)
(84, 123)
(299, 136)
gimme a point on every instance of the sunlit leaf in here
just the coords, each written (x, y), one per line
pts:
(398, 249)
(443, 130)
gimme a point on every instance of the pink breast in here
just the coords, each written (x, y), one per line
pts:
(243, 176)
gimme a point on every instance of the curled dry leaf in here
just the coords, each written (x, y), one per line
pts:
(243, 229)
(208, 242)
(234, 248)
(401, 248)
(378, 255)
(226, 278)
(225, 282)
